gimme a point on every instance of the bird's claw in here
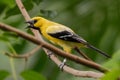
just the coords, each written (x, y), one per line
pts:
(62, 65)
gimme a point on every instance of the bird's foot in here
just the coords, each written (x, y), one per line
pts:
(62, 64)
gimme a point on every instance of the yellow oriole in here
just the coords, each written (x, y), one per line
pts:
(60, 35)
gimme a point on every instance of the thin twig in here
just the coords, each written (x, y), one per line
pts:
(82, 54)
(25, 55)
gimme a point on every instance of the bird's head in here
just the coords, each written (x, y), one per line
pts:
(36, 22)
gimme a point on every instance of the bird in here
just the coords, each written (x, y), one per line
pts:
(60, 35)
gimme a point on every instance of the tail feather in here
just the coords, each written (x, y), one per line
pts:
(98, 50)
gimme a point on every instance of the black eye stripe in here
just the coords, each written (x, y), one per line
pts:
(35, 21)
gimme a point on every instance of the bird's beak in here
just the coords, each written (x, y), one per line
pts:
(31, 24)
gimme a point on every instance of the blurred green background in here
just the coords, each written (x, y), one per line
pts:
(97, 21)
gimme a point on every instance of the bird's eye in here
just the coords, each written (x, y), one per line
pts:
(35, 21)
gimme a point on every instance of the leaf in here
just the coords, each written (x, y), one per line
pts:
(112, 75)
(48, 13)
(114, 62)
(9, 3)
(3, 74)
(5, 4)
(114, 66)
(37, 1)
(6, 36)
(31, 75)
(14, 11)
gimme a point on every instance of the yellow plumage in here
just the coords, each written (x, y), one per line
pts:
(47, 26)
(60, 34)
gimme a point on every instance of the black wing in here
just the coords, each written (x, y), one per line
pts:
(68, 36)
(72, 37)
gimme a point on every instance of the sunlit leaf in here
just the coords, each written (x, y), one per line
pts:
(114, 66)
(112, 75)
(114, 62)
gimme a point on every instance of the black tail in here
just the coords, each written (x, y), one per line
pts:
(97, 50)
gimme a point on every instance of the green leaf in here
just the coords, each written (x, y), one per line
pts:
(112, 75)
(114, 66)
(4, 4)
(3, 38)
(114, 63)
(6, 36)
(14, 11)
(3, 74)
(48, 13)
(31, 75)
(37, 1)
(9, 3)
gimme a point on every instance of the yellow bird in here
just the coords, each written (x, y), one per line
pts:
(60, 35)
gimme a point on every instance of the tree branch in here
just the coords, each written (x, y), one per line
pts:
(53, 57)
(54, 49)
(78, 73)
(82, 54)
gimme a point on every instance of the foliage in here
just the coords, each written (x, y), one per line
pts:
(114, 66)
(97, 21)
(3, 75)
(31, 75)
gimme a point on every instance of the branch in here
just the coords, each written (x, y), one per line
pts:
(53, 57)
(54, 49)
(25, 55)
(66, 68)
(82, 54)
(89, 74)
